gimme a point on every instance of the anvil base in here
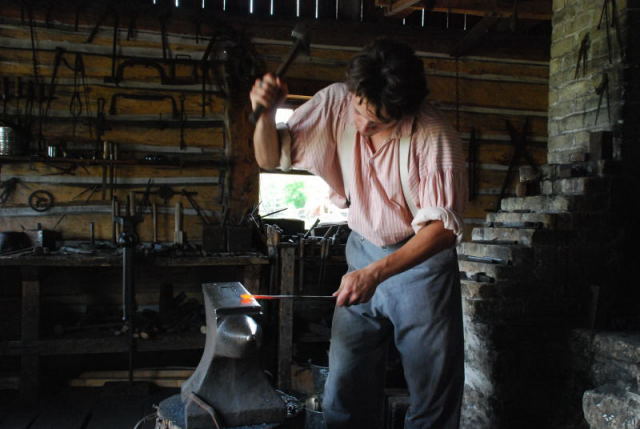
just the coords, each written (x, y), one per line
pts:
(171, 416)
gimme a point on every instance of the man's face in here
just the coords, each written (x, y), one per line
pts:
(366, 121)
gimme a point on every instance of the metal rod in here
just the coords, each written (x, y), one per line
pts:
(294, 297)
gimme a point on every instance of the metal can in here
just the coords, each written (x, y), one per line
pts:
(8, 144)
(53, 151)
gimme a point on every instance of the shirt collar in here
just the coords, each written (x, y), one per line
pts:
(404, 127)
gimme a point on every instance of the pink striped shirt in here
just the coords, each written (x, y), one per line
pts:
(378, 210)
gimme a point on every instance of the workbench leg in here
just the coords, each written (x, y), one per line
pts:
(285, 337)
(30, 332)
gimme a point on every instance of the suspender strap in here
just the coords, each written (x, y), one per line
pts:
(345, 155)
(405, 142)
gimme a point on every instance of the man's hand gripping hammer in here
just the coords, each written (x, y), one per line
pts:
(301, 44)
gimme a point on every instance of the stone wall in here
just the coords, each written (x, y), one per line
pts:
(553, 260)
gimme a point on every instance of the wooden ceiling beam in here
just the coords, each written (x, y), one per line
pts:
(526, 9)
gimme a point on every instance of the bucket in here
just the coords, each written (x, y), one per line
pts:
(313, 416)
(319, 374)
(314, 419)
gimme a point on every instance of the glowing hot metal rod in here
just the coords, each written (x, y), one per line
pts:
(246, 298)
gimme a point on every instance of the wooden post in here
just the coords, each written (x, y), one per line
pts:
(251, 279)
(285, 337)
(30, 332)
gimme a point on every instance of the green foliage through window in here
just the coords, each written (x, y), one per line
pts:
(294, 194)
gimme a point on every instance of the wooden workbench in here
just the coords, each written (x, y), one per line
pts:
(30, 346)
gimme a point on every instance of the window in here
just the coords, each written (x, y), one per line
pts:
(301, 195)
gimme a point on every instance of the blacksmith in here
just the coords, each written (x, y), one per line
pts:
(391, 158)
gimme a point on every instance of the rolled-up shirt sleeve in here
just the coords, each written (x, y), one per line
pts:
(442, 186)
(308, 140)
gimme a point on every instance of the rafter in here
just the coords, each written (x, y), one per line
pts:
(526, 9)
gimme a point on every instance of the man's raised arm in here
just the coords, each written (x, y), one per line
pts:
(269, 92)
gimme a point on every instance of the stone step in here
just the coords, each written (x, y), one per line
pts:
(521, 236)
(495, 253)
(611, 406)
(486, 272)
(608, 357)
(539, 204)
(575, 186)
(616, 357)
(623, 346)
(529, 220)
(476, 290)
(492, 311)
(579, 169)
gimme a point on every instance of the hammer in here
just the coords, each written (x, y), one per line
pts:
(301, 37)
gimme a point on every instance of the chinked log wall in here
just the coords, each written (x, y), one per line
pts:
(478, 93)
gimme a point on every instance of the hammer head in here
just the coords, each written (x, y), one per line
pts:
(300, 35)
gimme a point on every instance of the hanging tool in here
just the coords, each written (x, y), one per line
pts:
(164, 17)
(306, 234)
(178, 239)
(300, 257)
(90, 189)
(131, 204)
(7, 188)
(159, 66)
(154, 218)
(519, 142)
(76, 104)
(611, 21)
(513, 21)
(145, 196)
(183, 119)
(603, 88)
(166, 193)
(7, 93)
(274, 212)
(101, 122)
(300, 34)
(80, 4)
(473, 165)
(128, 241)
(196, 207)
(64, 171)
(105, 170)
(132, 31)
(41, 200)
(583, 56)
(115, 213)
(182, 60)
(604, 15)
(92, 233)
(113, 156)
(325, 247)
(143, 97)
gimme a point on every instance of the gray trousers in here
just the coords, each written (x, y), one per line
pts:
(420, 309)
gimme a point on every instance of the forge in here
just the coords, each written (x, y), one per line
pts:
(228, 389)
